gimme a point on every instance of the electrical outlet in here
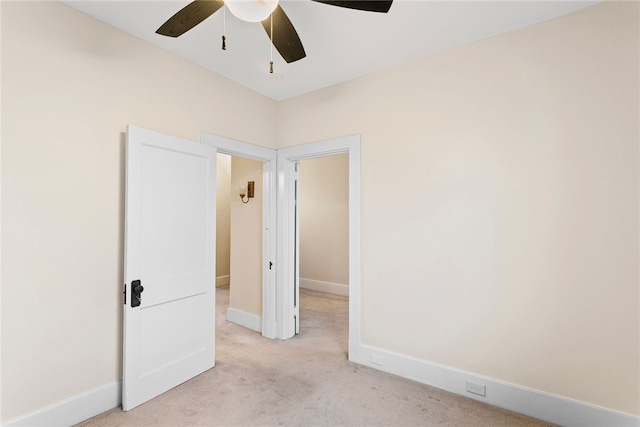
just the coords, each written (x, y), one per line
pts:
(478, 389)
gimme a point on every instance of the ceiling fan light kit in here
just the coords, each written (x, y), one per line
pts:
(251, 10)
(275, 21)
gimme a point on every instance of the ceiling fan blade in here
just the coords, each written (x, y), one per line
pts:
(382, 6)
(189, 16)
(285, 38)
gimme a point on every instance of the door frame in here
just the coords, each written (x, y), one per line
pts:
(287, 157)
(232, 147)
(279, 228)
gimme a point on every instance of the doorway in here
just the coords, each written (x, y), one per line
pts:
(239, 239)
(279, 290)
(267, 156)
(323, 210)
(323, 220)
(288, 279)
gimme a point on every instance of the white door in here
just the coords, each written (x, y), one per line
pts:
(286, 260)
(170, 249)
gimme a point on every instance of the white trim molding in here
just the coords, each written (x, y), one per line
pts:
(534, 403)
(242, 318)
(328, 287)
(76, 409)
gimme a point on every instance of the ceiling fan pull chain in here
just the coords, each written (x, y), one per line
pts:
(224, 27)
(271, 59)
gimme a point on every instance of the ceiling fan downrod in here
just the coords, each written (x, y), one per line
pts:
(271, 44)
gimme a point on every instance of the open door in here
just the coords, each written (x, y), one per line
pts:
(169, 295)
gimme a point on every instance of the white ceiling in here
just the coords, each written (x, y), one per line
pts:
(341, 44)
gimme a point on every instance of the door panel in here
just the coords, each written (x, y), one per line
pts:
(286, 248)
(170, 247)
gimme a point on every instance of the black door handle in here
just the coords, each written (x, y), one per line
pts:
(136, 290)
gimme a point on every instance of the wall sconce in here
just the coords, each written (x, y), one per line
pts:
(247, 190)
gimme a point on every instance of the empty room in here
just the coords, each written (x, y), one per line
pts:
(493, 219)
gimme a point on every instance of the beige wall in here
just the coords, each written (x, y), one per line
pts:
(324, 219)
(223, 219)
(499, 196)
(500, 204)
(70, 85)
(246, 238)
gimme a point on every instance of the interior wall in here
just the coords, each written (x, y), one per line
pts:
(223, 219)
(499, 196)
(324, 219)
(500, 189)
(70, 85)
(245, 293)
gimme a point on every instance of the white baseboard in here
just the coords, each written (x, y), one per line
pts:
(222, 281)
(544, 406)
(245, 319)
(534, 403)
(318, 285)
(76, 409)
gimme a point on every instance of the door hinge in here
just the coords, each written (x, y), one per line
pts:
(270, 265)
(124, 293)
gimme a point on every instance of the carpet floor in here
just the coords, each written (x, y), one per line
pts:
(304, 381)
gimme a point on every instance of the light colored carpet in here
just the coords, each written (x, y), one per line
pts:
(305, 381)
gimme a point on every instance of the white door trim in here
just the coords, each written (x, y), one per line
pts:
(268, 156)
(286, 234)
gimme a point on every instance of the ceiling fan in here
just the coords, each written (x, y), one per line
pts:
(275, 22)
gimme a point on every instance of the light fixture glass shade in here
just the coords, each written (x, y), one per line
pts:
(252, 10)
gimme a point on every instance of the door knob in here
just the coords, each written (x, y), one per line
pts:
(136, 290)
